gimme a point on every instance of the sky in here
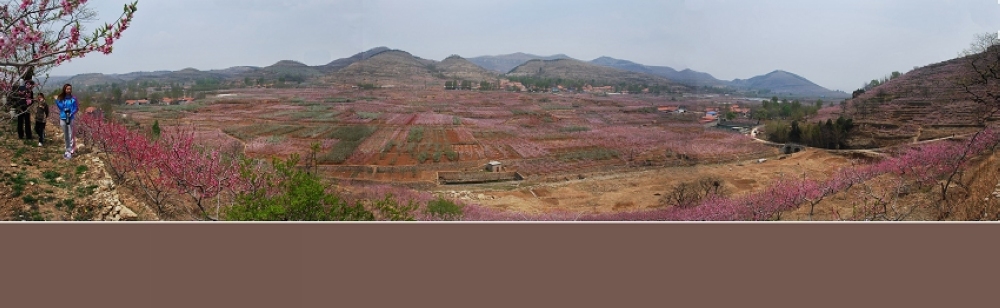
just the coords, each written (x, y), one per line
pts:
(838, 44)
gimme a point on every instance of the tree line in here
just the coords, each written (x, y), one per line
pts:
(868, 86)
(829, 135)
(785, 110)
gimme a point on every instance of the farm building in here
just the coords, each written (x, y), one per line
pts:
(494, 166)
(743, 126)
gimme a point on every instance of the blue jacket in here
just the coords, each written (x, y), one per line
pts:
(67, 108)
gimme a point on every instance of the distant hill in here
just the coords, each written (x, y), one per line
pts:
(182, 76)
(382, 64)
(578, 70)
(686, 77)
(53, 82)
(456, 67)
(236, 70)
(784, 83)
(292, 68)
(387, 67)
(345, 62)
(87, 80)
(505, 63)
(134, 75)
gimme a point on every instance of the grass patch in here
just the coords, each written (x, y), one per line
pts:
(574, 129)
(275, 139)
(338, 100)
(368, 115)
(556, 107)
(68, 205)
(30, 215)
(19, 152)
(595, 154)
(17, 183)
(350, 138)
(86, 191)
(81, 169)
(29, 200)
(189, 107)
(50, 175)
(416, 135)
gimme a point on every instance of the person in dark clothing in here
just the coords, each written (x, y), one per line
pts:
(41, 115)
(23, 98)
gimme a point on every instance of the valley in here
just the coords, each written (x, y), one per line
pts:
(552, 138)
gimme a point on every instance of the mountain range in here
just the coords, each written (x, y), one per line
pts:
(384, 65)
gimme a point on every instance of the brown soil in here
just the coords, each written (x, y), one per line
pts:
(639, 190)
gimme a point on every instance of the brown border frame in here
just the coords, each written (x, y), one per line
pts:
(498, 264)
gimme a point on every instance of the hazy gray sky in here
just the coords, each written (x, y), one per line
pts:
(837, 43)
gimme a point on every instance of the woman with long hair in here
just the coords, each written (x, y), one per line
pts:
(67, 105)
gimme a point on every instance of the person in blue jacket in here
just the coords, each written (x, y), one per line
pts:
(67, 105)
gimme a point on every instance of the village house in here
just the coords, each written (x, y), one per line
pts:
(739, 110)
(133, 102)
(504, 83)
(708, 118)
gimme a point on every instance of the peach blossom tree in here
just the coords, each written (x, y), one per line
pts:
(38, 35)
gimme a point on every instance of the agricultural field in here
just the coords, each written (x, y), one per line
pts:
(408, 135)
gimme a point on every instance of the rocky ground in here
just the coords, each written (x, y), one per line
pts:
(38, 184)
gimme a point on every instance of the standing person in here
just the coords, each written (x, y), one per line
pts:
(67, 105)
(22, 101)
(41, 114)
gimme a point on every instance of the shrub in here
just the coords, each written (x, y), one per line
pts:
(686, 195)
(444, 209)
(300, 197)
(389, 208)
(156, 129)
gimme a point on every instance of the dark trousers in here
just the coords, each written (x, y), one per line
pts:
(24, 125)
(40, 130)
